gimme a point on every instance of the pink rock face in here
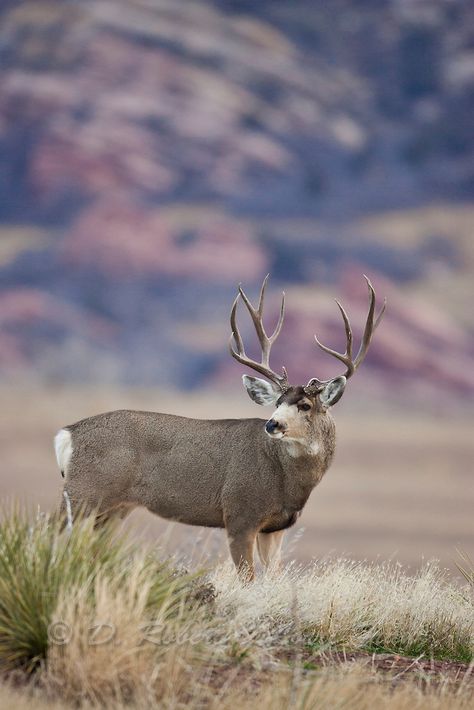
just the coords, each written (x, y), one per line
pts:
(170, 151)
(126, 240)
(116, 115)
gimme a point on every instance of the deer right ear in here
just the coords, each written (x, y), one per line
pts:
(260, 391)
(333, 391)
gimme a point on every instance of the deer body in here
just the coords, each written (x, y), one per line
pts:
(171, 465)
(249, 476)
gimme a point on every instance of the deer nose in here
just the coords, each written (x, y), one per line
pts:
(271, 426)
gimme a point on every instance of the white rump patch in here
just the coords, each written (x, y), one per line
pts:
(63, 449)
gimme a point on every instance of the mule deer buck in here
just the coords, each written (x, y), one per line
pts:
(249, 476)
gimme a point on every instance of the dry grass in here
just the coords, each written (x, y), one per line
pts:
(466, 567)
(50, 579)
(353, 687)
(119, 629)
(104, 639)
(344, 604)
(118, 652)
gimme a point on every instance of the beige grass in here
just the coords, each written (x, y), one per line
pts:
(341, 603)
(96, 649)
(124, 628)
(255, 631)
(353, 687)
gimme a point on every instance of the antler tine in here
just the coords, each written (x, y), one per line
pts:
(348, 329)
(259, 311)
(266, 341)
(370, 325)
(346, 357)
(380, 315)
(279, 325)
(256, 317)
(235, 330)
(261, 297)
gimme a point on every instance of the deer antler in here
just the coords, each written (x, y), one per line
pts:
(266, 342)
(315, 385)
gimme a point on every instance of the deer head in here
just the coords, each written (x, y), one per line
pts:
(296, 406)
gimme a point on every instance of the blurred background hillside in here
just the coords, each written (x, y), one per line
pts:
(154, 153)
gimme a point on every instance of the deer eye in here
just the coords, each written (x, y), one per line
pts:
(304, 407)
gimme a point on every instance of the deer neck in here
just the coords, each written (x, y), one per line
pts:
(308, 460)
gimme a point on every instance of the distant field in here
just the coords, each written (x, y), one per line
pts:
(400, 487)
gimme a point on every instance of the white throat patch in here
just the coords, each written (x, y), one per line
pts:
(297, 447)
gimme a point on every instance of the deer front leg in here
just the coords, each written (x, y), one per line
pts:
(269, 549)
(241, 544)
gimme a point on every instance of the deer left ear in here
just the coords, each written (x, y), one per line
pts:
(333, 391)
(261, 391)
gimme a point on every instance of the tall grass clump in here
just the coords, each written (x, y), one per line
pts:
(43, 567)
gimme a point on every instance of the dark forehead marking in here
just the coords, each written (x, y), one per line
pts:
(292, 396)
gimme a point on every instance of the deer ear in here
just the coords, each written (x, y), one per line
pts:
(260, 391)
(333, 391)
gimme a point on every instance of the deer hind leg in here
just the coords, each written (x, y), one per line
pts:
(115, 512)
(269, 549)
(241, 546)
(74, 504)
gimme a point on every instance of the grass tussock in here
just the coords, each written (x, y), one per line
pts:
(104, 623)
(43, 568)
(344, 604)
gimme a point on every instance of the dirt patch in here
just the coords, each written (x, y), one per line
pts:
(398, 668)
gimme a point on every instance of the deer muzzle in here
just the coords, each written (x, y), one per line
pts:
(273, 427)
